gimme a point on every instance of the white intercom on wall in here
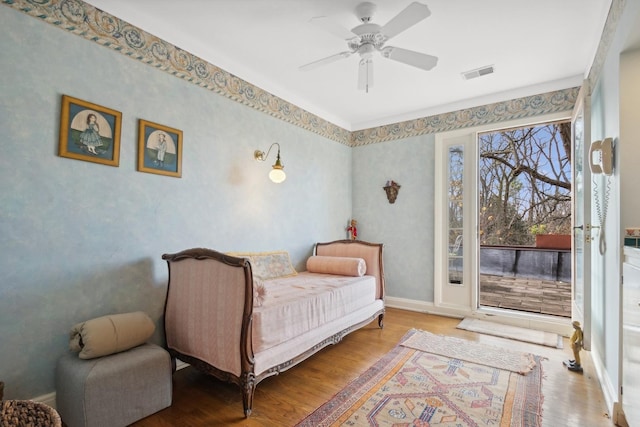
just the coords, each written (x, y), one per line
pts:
(601, 162)
(601, 157)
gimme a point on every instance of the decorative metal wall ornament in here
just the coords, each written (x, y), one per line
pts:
(392, 188)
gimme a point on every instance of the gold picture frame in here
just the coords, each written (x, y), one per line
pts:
(89, 132)
(159, 149)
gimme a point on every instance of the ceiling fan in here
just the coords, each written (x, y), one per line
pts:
(368, 38)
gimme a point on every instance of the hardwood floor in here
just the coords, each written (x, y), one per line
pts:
(570, 399)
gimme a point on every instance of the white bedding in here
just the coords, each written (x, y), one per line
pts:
(304, 302)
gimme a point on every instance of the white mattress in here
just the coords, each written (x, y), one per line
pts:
(298, 304)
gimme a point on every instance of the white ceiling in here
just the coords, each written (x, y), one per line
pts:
(535, 47)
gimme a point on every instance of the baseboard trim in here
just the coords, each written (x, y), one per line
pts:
(408, 304)
(424, 307)
(609, 392)
(181, 365)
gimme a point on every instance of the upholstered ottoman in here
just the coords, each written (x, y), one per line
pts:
(114, 390)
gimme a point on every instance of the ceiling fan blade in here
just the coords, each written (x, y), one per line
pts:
(327, 60)
(410, 57)
(410, 16)
(365, 74)
(331, 27)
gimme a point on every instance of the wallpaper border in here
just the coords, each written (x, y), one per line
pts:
(608, 33)
(93, 24)
(530, 106)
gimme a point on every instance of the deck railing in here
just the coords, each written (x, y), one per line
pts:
(526, 262)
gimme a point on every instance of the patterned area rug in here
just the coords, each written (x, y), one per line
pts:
(411, 387)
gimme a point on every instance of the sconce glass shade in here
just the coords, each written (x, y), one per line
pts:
(277, 175)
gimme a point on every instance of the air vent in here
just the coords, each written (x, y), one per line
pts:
(478, 72)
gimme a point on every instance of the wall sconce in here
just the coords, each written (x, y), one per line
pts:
(277, 174)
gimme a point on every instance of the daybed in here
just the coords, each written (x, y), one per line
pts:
(245, 317)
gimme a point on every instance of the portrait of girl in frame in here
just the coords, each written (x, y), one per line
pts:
(89, 132)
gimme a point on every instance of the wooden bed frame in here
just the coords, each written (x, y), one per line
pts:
(225, 350)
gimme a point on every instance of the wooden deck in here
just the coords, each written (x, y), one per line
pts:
(530, 295)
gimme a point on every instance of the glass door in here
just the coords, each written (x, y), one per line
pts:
(581, 215)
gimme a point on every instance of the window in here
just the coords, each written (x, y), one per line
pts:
(456, 211)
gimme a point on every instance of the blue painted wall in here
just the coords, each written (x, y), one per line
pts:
(80, 240)
(406, 226)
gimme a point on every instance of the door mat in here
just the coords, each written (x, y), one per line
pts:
(548, 339)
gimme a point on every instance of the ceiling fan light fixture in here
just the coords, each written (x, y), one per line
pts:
(366, 51)
(371, 37)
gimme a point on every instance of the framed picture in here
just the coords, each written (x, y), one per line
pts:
(89, 132)
(159, 149)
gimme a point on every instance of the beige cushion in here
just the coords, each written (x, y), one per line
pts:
(268, 265)
(343, 266)
(110, 334)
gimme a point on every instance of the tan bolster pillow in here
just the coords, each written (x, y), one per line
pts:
(110, 334)
(342, 266)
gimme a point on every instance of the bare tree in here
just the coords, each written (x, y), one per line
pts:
(524, 184)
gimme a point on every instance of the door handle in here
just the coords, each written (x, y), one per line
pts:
(587, 228)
